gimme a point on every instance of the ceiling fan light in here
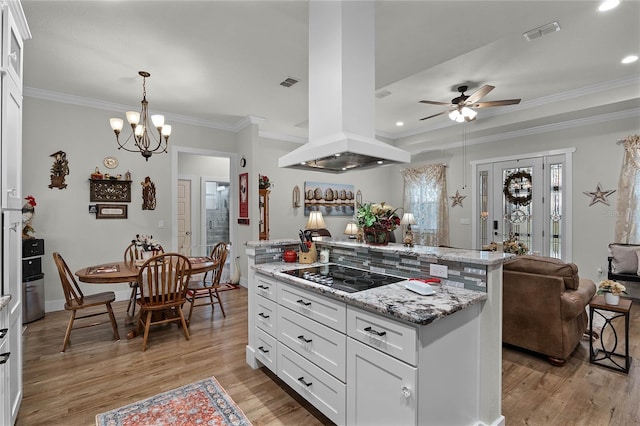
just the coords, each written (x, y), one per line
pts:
(608, 5)
(468, 113)
(453, 115)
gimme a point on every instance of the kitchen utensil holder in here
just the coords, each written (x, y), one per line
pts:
(310, 256)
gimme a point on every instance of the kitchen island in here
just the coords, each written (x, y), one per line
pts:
(384, 355)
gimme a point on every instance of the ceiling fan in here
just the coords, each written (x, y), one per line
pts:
(461, 107)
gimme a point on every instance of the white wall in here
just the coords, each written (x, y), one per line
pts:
(62, 217)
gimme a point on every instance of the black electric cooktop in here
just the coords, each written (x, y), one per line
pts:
(343, 278)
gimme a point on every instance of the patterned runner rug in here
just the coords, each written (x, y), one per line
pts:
(201, 403)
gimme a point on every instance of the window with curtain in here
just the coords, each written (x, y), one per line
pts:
(628, 219)
(425, 195)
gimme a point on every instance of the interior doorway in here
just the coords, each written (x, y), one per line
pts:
(198, 167)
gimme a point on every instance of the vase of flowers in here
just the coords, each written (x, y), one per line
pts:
(147, 245)
(612, 291)
(512, 245)
(377, 220)
(263, 182)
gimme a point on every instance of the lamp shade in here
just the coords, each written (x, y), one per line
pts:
(351, 229)
(408, 219)
(316, 221)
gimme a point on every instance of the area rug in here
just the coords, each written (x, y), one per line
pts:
(201, 403)
(228, 286)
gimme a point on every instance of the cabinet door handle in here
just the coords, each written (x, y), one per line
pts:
(301, 380)
(302, 302)
(263, 315)
(4, 357)
(406, 392)
(263, 349)
(264, 287)
(3, 332)
(372, 331)
(301, 337)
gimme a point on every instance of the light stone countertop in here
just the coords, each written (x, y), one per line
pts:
(440, 253)
(393, 299)
(4, 301)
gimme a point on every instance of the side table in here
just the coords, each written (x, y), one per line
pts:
(606, 355)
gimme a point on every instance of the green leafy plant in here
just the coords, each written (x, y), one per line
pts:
(379, 216)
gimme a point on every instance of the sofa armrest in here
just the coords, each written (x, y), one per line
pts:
(574, 301)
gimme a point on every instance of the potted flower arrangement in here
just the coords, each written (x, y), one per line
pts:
(263, 182)
(512, 245)
(146, 243)
(612, 291)
(376, 221)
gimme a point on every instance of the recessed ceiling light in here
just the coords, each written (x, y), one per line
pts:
(399, 123)
(380, 161)
(629, 59)
(608, 5)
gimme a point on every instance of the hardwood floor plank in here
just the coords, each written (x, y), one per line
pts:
(97, 374)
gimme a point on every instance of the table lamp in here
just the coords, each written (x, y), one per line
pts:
(317, 226)
(408, 219)
(351, 230)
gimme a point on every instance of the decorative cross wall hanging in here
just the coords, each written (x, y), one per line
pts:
(599, 195)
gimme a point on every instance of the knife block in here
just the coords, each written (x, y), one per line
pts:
(310, 256)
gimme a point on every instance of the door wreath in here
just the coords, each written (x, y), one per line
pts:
(514, 188)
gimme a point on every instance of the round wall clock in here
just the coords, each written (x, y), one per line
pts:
(111, 162)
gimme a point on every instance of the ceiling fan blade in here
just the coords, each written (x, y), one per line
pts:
(495, 103)
(478, 94)
(435, 103)
(435, 115)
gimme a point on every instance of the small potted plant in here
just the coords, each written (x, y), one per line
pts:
(377, 221)
(612, 291)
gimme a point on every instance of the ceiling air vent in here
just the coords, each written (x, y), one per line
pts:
(382, 94)
(288, 82)
(540, 31)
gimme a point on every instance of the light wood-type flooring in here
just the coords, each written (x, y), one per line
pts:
(97, 374)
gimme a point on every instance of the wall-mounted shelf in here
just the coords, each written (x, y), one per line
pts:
(110, 190)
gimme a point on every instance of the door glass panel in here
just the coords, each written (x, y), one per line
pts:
(518, 206)
(15, 57)
(484, 207)
(555, 212)
(217, 213)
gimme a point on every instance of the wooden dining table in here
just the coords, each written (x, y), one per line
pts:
(127, 272)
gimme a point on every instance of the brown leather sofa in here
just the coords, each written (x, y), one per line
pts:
(543, 307)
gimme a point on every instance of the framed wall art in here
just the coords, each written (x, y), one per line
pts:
(111, 211)
(243, 196)
(332, 199)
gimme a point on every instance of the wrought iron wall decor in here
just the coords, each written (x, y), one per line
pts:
(148, 194)
(110, 190)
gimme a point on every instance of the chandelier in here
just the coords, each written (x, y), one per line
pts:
(145, 142)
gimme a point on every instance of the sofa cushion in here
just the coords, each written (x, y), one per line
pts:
(546, 266)
(624, 258)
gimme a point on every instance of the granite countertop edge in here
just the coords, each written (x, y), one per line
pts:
(391, 300)
(437, 253)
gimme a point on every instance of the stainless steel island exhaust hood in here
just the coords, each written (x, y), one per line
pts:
(341, 92)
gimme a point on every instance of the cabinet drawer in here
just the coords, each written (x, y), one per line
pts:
(266, 350)
(322, 390)
(265, 287)
(389, 336)
(329, 312)
(266, 315)
(319, 344)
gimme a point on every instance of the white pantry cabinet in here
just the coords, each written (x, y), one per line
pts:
(13, 33)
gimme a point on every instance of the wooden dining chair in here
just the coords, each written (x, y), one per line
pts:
(131, 254)
(205, 290)
(75, 300)
(163, 283)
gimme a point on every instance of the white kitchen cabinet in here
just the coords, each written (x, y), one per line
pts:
(381, 390)
(13, 33)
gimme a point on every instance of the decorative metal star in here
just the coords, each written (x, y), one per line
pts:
(599, 195)
(457, 199)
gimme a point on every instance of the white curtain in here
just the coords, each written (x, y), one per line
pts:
(425, 195)
(628, 218)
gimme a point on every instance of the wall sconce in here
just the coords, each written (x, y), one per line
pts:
(408, 219)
